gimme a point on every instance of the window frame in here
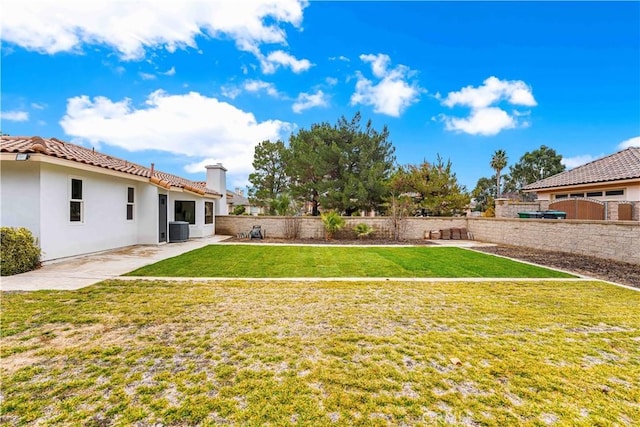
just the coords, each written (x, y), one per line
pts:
(131, 203)
(594, 194)
(617, 192)
(208, 219)
(183, 212)
(76, 201)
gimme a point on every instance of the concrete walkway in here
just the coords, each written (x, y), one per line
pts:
(81, 271)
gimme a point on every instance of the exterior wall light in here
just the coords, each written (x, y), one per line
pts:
(22, 156)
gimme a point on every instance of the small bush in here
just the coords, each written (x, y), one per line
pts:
(363, 230)
(238, 210)
(19, 251)
(332, 222)
(490, 212)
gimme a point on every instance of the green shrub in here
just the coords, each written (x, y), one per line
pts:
(332, 222)
(238, 210)
(19, 251)
(363, 230)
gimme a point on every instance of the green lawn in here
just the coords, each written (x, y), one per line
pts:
(322, 353)
(245, 261)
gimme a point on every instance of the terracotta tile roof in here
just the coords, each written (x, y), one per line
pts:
(618, 166)
(64, 150)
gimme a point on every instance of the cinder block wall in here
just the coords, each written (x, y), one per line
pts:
(312, 228)
(616, 240)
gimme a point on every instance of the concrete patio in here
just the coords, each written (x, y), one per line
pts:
(78, 272)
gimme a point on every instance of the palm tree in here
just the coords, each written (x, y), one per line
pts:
(498, 162)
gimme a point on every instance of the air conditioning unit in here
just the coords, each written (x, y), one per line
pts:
(178, 231)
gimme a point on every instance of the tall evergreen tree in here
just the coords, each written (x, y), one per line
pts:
(343, 167)
(269, 178)
(434, 188)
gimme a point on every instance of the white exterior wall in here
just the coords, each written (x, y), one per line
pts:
(104, 224)
(20, 195)
(633, 193)
(36, 195)
(147, 208)
(199, 229)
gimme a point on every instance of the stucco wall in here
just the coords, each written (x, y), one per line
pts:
(20, 200)
(614, 240)
(147, 208)
(199, 229)
(104, 202)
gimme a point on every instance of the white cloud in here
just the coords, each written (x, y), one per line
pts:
(14, 116)
(379, 63)
(339, 58)
(147, 76)
(230, 91)
(631, 142)
(190, 124)
(307, 100)
(52, 26)
(331, 81)
(279, 58)
(259, 85)
(493, 90)
(485, 118)
(38, 106)
(484, 121)
(572, 162)
(170, 72)
(392, 94)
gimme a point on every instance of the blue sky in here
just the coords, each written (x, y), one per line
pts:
(188, 84)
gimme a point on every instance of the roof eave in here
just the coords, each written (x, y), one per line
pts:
(582, 185)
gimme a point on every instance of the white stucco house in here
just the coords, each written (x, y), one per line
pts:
(76, 200)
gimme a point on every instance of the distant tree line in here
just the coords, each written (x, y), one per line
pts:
(348, 167)
(532, 166)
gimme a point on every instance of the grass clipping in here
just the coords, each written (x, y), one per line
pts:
(322, 354)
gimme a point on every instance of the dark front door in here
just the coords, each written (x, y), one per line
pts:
(162, 217)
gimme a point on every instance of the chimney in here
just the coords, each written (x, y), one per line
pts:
(217, 181)
(239, 191)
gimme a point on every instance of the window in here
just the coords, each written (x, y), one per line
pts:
(131, 198)
(594, 194)
(208, 212)
(561, 196)
(75, 202)
(577, 194)
(185, 211)
(615, 193)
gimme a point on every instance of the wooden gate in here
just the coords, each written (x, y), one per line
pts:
(580, 208)
(625, 212)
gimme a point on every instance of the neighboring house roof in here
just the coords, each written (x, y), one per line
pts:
(64, 150)
(236, 199)
(623, 165)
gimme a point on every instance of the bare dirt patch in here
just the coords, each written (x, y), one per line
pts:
(604, 269)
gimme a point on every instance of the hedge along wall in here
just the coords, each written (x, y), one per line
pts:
(616, 240)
